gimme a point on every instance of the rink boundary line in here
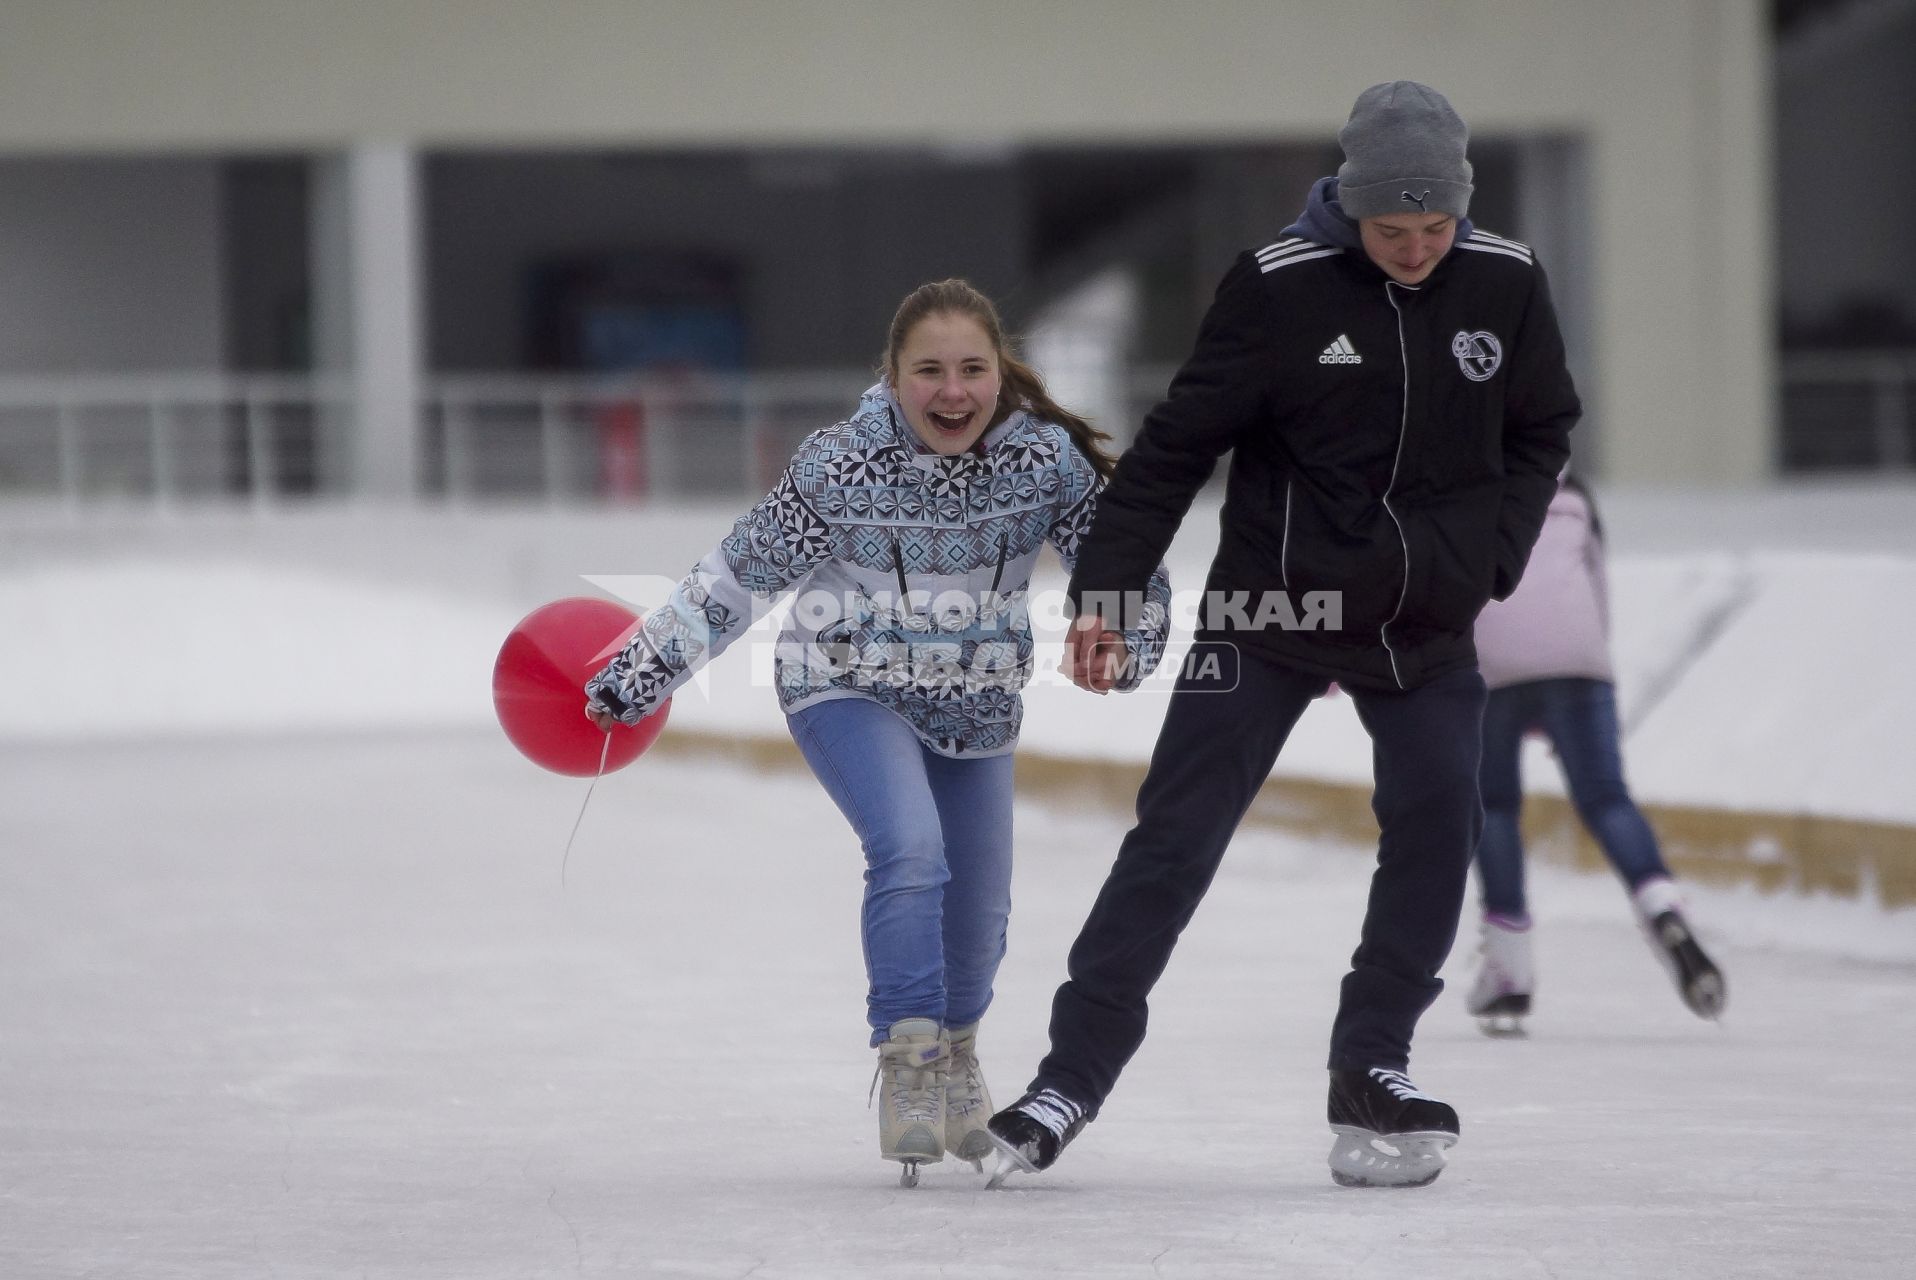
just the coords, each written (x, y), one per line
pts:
(1771, 852)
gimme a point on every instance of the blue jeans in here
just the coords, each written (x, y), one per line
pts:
(1579, 717)
(937, 838)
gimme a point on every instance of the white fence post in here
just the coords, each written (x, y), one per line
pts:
(259, 455)
(1892, 414)
(457, 425)
(67, 444)
(551, 449)
(163, 439)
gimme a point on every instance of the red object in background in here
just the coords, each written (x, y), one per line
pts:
(538, 686)
(623, 473)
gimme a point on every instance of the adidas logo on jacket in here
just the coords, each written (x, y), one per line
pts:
(1340, 352)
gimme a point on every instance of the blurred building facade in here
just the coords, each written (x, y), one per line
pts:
(1846, 177)
(602, 248)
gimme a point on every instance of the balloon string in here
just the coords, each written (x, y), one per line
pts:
(604, 751)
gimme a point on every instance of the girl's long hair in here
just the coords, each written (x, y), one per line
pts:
(1020, 384)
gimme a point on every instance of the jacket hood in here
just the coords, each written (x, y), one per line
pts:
(1325, 222)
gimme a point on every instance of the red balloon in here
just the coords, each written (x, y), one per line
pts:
(538, 686)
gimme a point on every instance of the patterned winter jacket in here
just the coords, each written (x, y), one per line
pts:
(912, 571)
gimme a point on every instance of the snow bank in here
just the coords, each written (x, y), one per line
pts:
(140, 648)
(1768, 679)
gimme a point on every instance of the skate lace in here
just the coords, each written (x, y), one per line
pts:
(911, 1092)
(1052, 1110)
(1399, 1084)
(964, 1083)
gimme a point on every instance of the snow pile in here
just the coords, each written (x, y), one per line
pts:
(1804, 702)
(139, 648)
(1759, 680)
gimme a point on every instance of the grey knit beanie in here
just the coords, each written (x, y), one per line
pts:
(1403, 153)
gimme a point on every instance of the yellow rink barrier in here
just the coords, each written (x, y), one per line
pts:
(1774, 852)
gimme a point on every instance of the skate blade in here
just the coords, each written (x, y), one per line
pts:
(1362, 1158)
(910, 1164)
(1706, 996)
(1009, 1162)
(1503, 1026)
(973, 1150)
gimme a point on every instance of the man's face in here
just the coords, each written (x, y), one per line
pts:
(1408, 246)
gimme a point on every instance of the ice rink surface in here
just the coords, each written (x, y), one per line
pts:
(321, 1006)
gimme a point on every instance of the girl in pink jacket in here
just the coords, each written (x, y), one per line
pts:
(1545, 656)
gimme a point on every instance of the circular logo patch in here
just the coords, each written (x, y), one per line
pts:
(1478, 354)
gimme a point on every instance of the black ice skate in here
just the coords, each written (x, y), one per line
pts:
(1388, 1133)
(1698, 980)
(1660, 909)
(1031, 1132)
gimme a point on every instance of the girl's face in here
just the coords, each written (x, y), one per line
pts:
(947, 381)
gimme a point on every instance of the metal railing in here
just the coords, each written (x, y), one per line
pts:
(273, 438)
(168, 437)
(268, 439)
(576, 439)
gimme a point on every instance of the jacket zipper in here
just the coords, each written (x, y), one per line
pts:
(1403, 430)
(898, 563)
(906, 613)
(1284, 547)
(904, 587)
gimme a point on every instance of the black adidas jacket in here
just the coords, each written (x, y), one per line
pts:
(1412, 479)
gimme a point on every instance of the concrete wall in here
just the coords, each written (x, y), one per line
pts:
(1670, 95)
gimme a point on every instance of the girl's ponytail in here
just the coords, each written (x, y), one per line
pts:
(1023, 386)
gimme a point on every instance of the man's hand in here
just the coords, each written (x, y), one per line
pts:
(1094, 655)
